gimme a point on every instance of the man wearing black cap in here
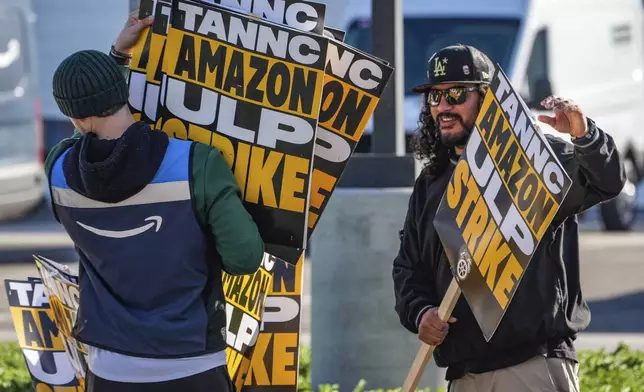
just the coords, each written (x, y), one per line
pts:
(532, 349)
(154, 221)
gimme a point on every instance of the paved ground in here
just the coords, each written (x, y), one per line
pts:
(612, 271)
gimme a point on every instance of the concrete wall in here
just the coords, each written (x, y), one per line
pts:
(355, 332)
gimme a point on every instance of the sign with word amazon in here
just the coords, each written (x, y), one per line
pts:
(252, 89)
(245, 300)
(300, 14)
(272, 363)
(503, 194)
(352, 85)
(43, 345)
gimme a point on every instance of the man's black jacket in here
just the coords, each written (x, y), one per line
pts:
(548, 309)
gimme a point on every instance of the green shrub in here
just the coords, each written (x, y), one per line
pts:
(14, 376)
(361, 388)
(621, 370)
(304, 378)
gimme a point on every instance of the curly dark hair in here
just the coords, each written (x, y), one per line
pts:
(427, 143)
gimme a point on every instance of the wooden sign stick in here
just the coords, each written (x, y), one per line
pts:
(425, 352)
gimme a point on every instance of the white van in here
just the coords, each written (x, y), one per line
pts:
(587, 50)
(21, 134)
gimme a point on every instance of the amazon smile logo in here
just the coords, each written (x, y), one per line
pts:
(156, 221)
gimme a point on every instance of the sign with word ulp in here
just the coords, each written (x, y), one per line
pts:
(505, 191)
(252, 89)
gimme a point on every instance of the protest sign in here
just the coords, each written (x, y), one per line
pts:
(338, 107)
(153, 71)
(244, 312)
(348, 102)
(353, 85)
(138, 63)
(252, 89)
(245, 299)
(288, 12)
(62, 289)
(271, 364)
(505, 191)
(337, 34)
(43, 346)
(302, 15)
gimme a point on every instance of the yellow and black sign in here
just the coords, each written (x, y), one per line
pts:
(353, 85)
(153, 67)
(275, 357)
(139, 63)
(245, 300)
(42, 343)
(300, 14)
(64, 296)
(252, 89)
(504, 193)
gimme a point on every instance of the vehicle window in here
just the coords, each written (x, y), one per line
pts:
(17, 136)
(537, 70)
(14, 61)
(425, 36)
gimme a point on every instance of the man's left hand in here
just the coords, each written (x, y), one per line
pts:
(568, 116)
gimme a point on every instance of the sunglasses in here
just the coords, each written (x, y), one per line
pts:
(453, 96)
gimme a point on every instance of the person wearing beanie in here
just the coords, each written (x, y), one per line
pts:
(89, 85)
(154, 221)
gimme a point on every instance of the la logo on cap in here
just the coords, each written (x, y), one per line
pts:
(439, 66)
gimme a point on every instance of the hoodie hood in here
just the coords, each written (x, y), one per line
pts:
(111, 171)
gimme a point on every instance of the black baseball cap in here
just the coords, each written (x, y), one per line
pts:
(457, 64)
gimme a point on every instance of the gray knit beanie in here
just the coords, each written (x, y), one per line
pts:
(87, 84)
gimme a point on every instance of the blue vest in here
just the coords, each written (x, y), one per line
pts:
(150, 281)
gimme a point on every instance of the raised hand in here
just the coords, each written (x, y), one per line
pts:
(131, 31)
(568, 117)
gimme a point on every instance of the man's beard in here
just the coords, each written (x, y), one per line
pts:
(455, 139)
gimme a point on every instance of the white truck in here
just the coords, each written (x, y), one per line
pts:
(587, 50)
(21, 139)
